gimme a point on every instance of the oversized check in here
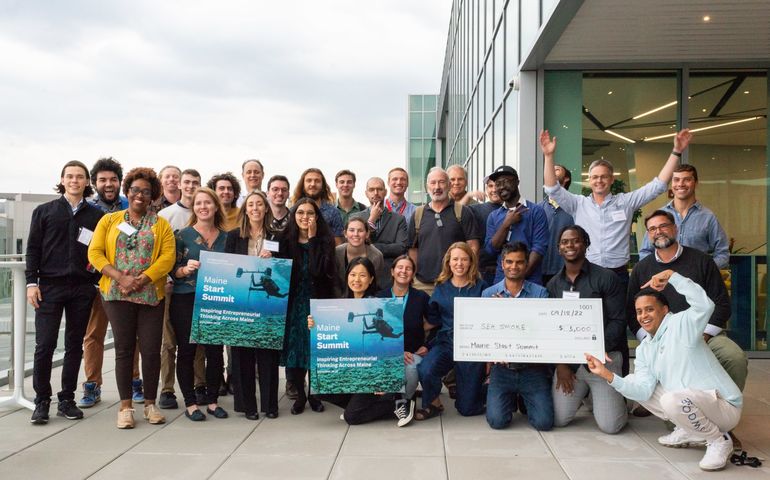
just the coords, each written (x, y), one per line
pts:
(528, 330)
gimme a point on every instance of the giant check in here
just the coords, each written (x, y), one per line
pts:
(528, 330)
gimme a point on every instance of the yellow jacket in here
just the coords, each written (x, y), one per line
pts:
(101, 252)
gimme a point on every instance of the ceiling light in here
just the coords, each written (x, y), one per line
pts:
(706, 18)
(619, 136)
(655, 110)
(746, 92)
(609, 93)
(694, 130)
(703, 110)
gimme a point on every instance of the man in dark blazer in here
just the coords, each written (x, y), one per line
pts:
(388, 229)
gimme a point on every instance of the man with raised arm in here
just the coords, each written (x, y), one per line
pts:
(676, 376)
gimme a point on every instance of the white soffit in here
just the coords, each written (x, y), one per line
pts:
(662, 31)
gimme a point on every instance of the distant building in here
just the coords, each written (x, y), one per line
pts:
(421, 144)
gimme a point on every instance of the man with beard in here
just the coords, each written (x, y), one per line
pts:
(106, 177)
(387, 231)
(228, 190)
(169, 181)
(517, 220)
(557, 219)
(277, 194)
(435, 226)
(398, 182)
(312, 184)
(253, 173)
(701, 269)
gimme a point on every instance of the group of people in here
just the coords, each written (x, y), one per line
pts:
(144, 251)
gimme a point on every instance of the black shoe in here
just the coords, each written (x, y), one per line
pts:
(40, 415)
(291, 390)
(69, 410)
(218, 412)
(167, 401)
(195, 416)
(316, 405)
(298, 407)
(224, 388)
(272, 414)
(252, 416)
(200, 396)
(452, 392)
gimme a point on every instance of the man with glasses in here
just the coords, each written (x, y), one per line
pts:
(606, 216)
(700, 268)
(277, 195)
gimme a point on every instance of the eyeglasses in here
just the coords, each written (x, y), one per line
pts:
(662, 226)
(437, 217)
(146, 192)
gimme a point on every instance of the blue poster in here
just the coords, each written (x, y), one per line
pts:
(241, 301)
(357, 345)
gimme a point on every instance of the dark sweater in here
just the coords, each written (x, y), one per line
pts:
(54, 255)
(693, 264)
(415, 312)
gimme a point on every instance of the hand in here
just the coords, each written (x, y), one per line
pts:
(421, 351)
(565, 379)
(682, 140)
(408, 358)
(514, 216)
(596, 367)
(659, 280)
(312, 227)
(310, 321)
(126, 283)
(707, 337)
(375, 212)
(265, 253)
(33, 296)
(547, 143)
(192, 265)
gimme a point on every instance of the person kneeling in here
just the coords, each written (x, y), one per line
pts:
(676, 376)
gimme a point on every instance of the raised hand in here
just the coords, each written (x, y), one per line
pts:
(547, 143)
(682, 140)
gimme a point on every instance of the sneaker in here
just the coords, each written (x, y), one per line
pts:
(200, 395)
(718, 452)
(138, 395)
(92, 395)
(126, 418)
(40, 415)
(168, 401)
(404, 411)
(69, 410)
(679, 438)
(152, 414)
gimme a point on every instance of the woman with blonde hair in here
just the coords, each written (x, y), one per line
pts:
(459, 277)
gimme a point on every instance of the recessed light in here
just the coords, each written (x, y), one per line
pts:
(609, 93)
(746, 92)
(703, 110)
(706, 18)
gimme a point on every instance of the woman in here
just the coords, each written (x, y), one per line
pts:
(366, 407)
(205, 233)
(459, 277)
(308, 241)
(416, 325)
(135, 250)
(357, 245)
(251, 238)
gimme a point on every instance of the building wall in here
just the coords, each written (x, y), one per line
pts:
(421, 144)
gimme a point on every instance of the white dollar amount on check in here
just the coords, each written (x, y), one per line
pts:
(528, 330)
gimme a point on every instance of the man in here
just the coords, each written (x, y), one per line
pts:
(517, 220)
(277, 194)
(312, 184)
(436, 226)
(60, 279)
(345, 180)
(605, 216)
(676, 376)
(398, 182)
(253, 172)
(580, 278)
(698, 267)
(106, 177)
(228, 190)
(697, 225)
(178, 215)
(531, 382)
(387, 231)
(458, 187)
(169, 181)
(557, 219)
(481, 211)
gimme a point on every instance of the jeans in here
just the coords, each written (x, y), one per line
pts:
(75, 302)
(532, 383)
(411, 376)
(470, 376)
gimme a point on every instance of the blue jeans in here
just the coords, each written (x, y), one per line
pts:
(412, 378)
(470, 375)
(532, 383)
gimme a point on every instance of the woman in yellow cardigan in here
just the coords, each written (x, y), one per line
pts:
(135, 249)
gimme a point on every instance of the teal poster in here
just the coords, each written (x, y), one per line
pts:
(241, 301)
(357, 345)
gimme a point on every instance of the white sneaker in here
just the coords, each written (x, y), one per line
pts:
(404, 411)
(679, 438)
(717, 454)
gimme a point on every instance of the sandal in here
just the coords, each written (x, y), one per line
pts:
(426, 413)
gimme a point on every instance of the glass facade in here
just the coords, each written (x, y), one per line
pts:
(421, 144)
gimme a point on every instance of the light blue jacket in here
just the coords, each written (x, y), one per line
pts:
(677, 357)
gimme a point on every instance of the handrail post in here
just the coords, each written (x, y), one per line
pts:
(19, 332)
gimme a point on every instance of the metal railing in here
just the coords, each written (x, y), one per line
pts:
(18, 334)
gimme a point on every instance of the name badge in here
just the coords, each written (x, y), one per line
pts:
(85, 236)
(271, 246)
(619, 216)
(127, 229)
(573, 295)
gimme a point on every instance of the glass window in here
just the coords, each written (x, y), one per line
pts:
(511, 39)
(499, 80)
(415, 124)
(498, 139)
(429, 130)
(530, 23)
(488, 152)
(511, 149)
(429, 103)
(415, 102)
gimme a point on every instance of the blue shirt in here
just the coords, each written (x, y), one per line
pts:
(441, 308)
(121, 204)
(532, 230)
(332, 217)
(403, 208)
(528, 290)
(557, 219)
(699, 229)
(609, 224)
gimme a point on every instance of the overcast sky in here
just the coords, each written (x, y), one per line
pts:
(207, 85)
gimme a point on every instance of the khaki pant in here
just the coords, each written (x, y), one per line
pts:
(732, 358)
(168, 356)
(425, 287)
(93, 344)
